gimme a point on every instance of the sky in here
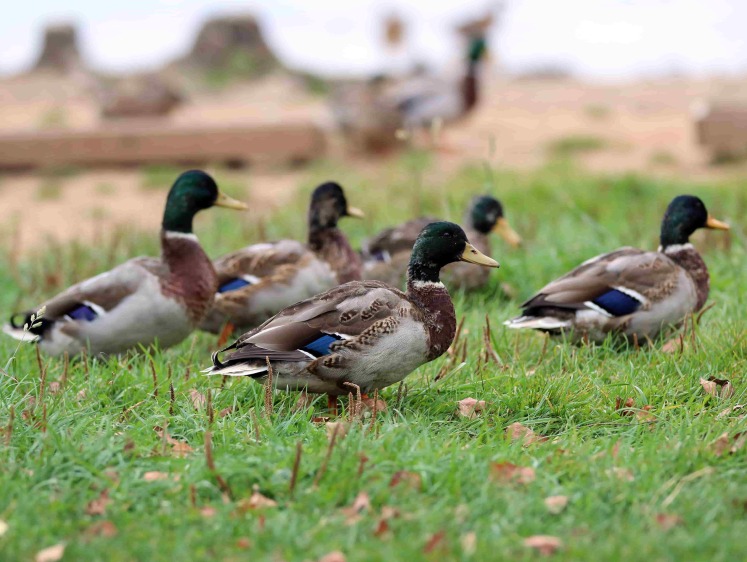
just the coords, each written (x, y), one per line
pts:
(604, 39)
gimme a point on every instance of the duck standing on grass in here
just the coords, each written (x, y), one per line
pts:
(258, 281)
(364, 332)
(145, 300)
(629, 292)
(386, 255)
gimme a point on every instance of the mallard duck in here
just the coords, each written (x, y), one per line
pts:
(258, 281)
(386, 255)
(144, 300)
(363, 332)
(422, 101)
(629, 292)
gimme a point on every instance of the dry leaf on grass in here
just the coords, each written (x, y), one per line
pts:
(334, 556)
(470, 407)
(54, 387)
(627, 407)
(243, 543)
(624, 474)
(726, 444)
(407, 478)
(198, 398)
(340, 427)
(509, 473)
(225, 412)
(178, 447)
(556, 504)
(353, 513)
(519, 432)
(469, 543)
(667, 521)
(3, 527)
(544, 544)
(105, 529)
(435, 541)
(674, 345)
(154, 475)
(51, 553)
(97, 506)
(208, 511)
(256, 501)
(730, 410)
(720, 388)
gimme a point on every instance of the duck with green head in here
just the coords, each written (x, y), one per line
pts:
(629, 293)
(143, 301)
(386, 255)
(421, 102)
(258, 281)
(364, 332)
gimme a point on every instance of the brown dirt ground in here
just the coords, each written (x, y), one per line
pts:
(644, 127)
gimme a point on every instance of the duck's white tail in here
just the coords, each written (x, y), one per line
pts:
(537, 323)
(19, 333)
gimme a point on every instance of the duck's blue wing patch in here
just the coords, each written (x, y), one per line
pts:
(83, 312)
(617, 303)
(320, 346)
(233, 284)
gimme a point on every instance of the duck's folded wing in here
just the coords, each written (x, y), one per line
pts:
(93, 297)
(310, 328)
(396, 239)
(614, 284)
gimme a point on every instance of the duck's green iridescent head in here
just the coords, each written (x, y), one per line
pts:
(486, 215)
(328, 205)
(478, 48)
(192, 192)
(684, 215)
(439, 244)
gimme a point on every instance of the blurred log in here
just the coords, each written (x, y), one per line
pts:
(137, 144)
(721, 128)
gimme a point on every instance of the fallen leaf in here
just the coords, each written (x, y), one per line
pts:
(154, 475)
(470, 407)
(509, 473)
(369, 405)
(81, 395)
(546, 545)
(105, 529)
(334, 556)
(225, 412)
(51, 553)
(243, 543)
(720, 388)
(353, 513)
(556, 504)
(3, 527)
(725, 444)
(730, 410)
(181, 448)
(674, 345)
(198, 399)
(519, 432)
(624, 408)
(407, 478)
(208, 511)
(435, 541)
(382, 527)
(469, 543)
(668, 520)
(257, 501)
(340, 427)
(54, 387)
(97, 506)
(624, 474)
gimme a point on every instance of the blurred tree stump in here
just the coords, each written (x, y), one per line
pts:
(60, 51)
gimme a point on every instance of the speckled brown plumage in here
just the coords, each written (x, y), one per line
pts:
(689, 259)
(332, 246)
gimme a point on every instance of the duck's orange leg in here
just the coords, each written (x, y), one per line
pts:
(225, 333)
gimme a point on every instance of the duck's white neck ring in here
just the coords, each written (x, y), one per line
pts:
(174, 235)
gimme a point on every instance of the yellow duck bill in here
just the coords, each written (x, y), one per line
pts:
(224, 200)
(473, 255)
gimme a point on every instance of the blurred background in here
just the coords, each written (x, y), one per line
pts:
(103, 103)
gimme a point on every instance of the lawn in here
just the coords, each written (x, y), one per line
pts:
(144, 458)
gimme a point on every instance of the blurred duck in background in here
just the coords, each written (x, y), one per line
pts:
(258, 281)
(386, 255)
(629, 292)
(144, 301)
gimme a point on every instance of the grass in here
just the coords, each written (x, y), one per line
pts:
(576, 144)
(638, 487)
